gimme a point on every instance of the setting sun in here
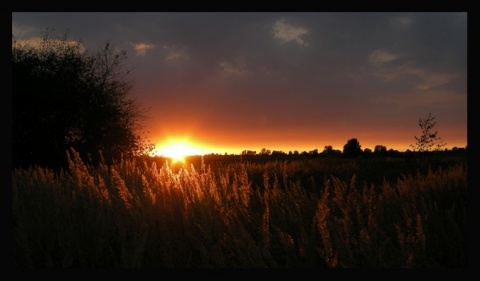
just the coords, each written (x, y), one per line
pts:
(178, 149)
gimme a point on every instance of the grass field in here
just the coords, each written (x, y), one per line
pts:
(234, 212)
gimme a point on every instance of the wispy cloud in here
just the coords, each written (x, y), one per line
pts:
(176, 54)
(286, 32)
(232, 68)
(142, 48)
(379, 58)
(390, 66)
(431, 80)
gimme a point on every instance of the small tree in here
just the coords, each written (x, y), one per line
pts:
(328, 149)
(429, 140)
(265, 151)
(352, 148)
(380, 149)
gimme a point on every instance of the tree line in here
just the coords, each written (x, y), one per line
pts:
(351, 149)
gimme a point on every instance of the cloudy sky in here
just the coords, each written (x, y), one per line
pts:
(284, 81)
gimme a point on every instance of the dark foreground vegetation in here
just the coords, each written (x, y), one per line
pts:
(233, 212)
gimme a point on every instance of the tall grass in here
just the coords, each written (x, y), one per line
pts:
(278, 214)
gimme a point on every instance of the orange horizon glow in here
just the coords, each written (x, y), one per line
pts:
(177, 148)
(206, 138)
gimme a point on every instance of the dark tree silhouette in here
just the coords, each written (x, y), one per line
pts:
(65, 97)
(265, 151)
(352, 148)
(380, 150)
(429, 140)
(328, 149)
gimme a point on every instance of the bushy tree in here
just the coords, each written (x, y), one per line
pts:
(352, 148)
(429, 140)
(380, 150)
(328, 149)
(66, 97)
(265, 151)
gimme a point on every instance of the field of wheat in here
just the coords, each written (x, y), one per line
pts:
(301, 213)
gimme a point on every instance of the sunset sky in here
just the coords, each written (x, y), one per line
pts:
(224, 82)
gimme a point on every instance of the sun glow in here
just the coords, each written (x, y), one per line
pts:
(178, 149)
